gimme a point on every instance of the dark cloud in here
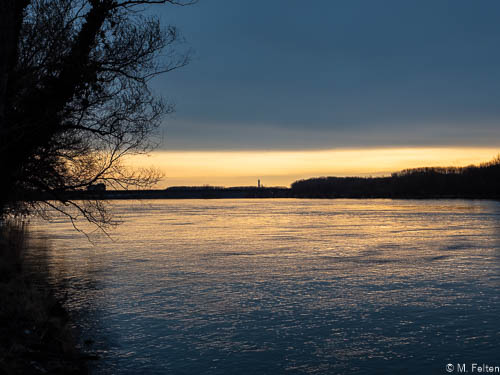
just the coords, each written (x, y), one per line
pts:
(336, 73)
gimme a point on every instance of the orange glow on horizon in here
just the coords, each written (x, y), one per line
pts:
(281, 168)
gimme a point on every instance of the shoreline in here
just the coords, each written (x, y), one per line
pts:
(251, 193)
(35, 335)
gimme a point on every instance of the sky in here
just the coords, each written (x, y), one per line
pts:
(329, 86)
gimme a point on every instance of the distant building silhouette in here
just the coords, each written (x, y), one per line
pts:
(258, 183)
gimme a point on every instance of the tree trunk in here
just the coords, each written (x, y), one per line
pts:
(11, 16)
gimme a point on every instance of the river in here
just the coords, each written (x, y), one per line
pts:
(283, 286)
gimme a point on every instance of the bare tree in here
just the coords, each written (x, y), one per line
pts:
(74, 97)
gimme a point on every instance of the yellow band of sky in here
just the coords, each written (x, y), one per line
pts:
(281, 168)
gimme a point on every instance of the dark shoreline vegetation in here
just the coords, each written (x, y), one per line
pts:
(477, 182)
(35, 331)
(471, 182)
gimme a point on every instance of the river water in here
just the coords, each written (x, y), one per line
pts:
(284, 286)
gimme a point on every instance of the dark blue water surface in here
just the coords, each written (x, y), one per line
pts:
(284, 286)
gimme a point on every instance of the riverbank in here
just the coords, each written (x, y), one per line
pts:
(35, 332)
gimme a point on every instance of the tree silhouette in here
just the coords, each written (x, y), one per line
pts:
(481, 181)
(74, 97)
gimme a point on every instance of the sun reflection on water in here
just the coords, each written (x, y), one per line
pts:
(296, 286)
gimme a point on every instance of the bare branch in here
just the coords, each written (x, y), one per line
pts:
(79, 100)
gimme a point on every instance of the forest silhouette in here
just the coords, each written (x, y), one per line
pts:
(481, 181)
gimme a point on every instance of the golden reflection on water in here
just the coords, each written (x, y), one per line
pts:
(299, 285)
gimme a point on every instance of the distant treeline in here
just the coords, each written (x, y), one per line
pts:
(176, 192)
(481, 181)
(225, 192)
